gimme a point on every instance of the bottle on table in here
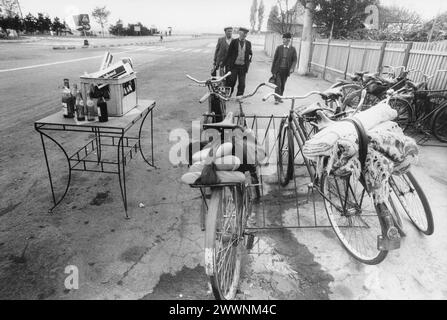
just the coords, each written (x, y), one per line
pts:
(72, 104)
(103, 115)
(91, 113)
(67, 111)
(80, 107)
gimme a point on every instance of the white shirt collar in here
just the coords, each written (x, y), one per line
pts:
(288, 46)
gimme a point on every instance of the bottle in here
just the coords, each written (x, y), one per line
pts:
(72, 105)
(66, 99)
(103, 115)
(80, 107)
(91, 116)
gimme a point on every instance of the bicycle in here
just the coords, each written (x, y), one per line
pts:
(353, 215)
(216, 96)
(227, 211)
(422, 108)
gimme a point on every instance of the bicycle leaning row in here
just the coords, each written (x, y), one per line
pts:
(419, 107)
(224, 169)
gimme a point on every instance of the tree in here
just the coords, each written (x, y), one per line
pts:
(261, 10)
(10, 8)
(57, 25)
(283, 16)
(340, 17)
(101, 15)
(117, 29)
(253, 11)
(401, 17)
(43, 23)
(30, 23)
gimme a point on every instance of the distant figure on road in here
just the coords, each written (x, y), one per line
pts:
(284, 63)
(161, 37)
(238, 61)
(221, 52)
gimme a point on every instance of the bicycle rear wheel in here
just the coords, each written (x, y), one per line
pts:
(223, 245)
(285, 153)
(353, 217)
(439, 124)
(352, 100)
(404, 112)
(413, 201)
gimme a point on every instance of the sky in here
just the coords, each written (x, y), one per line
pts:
(189, 15)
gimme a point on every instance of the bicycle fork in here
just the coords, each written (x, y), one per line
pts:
(391, 239)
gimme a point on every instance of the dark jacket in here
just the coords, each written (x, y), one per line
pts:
(291, 59)
(233, 51)
(221, 51)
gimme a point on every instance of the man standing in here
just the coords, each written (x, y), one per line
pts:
(284, 63)
(238, 61)
(221, 52)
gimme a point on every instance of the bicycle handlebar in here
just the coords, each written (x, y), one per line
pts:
(212, 80)
(291, 97)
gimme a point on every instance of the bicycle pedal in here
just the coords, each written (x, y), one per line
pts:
(387, 244)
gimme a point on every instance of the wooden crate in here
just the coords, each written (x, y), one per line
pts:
(120, 102)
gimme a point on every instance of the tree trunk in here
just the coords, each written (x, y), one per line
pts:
(306, 38)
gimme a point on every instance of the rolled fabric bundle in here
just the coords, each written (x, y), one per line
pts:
(322, 143)
(224, 177)
(224, 149)
(197, 166)
(227, 163)
(201, 155)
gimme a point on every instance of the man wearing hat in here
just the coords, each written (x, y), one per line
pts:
(284, 63)
(238, 61)
(221, 52)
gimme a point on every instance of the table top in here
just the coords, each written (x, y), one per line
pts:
(123, 123)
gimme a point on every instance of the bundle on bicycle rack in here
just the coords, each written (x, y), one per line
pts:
(389, 150)
(225, 159)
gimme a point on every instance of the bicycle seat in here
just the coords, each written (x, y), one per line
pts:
(332, 94)
(227, 123)
(308, 110)
(360, 73)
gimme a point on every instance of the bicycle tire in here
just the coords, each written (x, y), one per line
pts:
(411, 194)
(352, 100)
(224, 267)
(349, 88)
(439, 123)
(284, 176)
(356, 211)
(404, 112)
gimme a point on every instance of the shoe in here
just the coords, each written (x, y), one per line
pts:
(276, 102)
(280, 101)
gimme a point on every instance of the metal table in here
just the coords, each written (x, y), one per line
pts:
(107, 134)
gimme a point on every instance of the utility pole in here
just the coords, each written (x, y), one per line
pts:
(306, 38)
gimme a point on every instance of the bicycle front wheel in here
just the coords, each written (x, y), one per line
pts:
(353, 217)
(413, 201)
(223, 244)
(285, 153)
(439, 124)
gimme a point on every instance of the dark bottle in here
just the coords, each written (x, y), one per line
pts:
(80, 107)
(66, 100)
(91, 114)
(72, 105)
(103, 115)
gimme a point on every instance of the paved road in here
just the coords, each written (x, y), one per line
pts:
(158, 254)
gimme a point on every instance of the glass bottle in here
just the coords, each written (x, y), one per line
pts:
(91, 114)
(66, 100)
(80, 107)
(103, 115)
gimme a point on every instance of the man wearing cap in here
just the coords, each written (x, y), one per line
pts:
(221, 52)
(238, 61)
(284, 63)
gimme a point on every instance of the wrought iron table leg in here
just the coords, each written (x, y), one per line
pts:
(56, 203)
(122, 171)
(98, 144)
(152, 140)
